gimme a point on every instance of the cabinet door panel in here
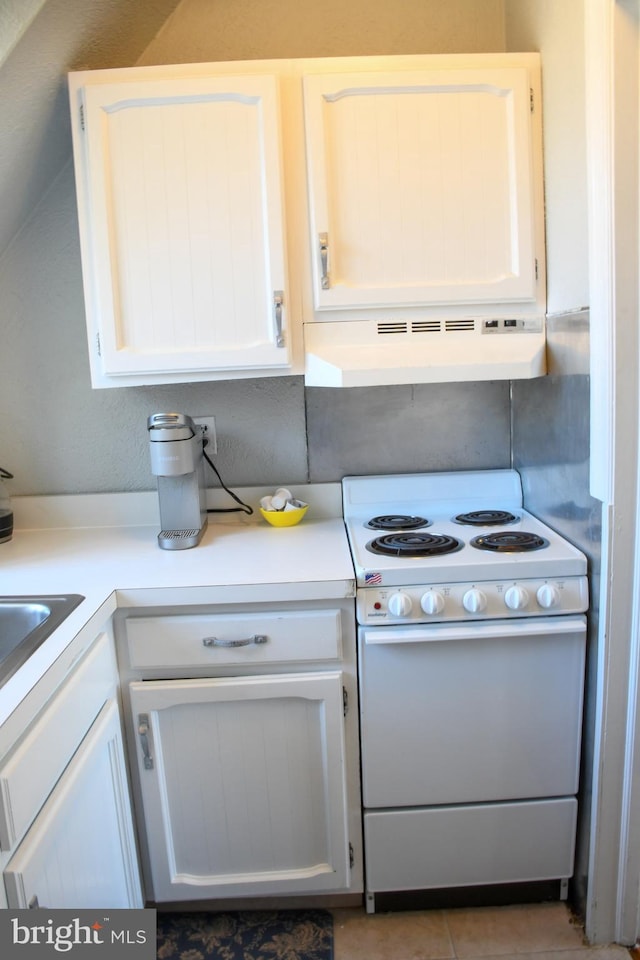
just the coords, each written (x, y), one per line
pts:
(422, 185)
(185, 237)
(246, 794)
(80, 851)
(32, 770)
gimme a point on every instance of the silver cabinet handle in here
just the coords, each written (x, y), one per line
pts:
(278, 301)
(325, 282)
(143, 733)
(216, 642)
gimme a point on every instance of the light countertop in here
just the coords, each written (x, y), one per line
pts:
(238, 560)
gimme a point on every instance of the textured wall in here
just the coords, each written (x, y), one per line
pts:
(557, 30)
(405, 429)
(40, 41)
(202, 30)
(59, 436)
(550, 442)
(551, 451)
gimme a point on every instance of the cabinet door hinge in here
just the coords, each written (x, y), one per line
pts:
(352, 858)
(345, 701)
(98, 347)
(82, 116)
(532, 102)
(536, 268)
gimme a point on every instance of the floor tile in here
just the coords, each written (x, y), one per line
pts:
(612, 952)
(500, 931)
(420, 935)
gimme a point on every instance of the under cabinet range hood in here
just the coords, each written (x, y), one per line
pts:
(364, 353)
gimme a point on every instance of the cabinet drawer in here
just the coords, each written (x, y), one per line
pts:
(232, 639)
(33, 769)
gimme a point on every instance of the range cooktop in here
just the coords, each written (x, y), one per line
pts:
(464, 533)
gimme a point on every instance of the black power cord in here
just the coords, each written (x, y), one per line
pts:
(242, 508)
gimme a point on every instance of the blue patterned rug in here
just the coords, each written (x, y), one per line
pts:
(246, 935)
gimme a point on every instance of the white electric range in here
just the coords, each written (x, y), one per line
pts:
(471, 652)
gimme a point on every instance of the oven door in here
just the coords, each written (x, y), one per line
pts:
(473, 712)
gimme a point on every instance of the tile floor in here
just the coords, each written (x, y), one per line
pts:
(542, 931)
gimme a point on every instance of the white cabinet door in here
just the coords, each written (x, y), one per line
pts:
(243, 785)
(422, 187)
(182, 226)
(33, 767)
(80, 851)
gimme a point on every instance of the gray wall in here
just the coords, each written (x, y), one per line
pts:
(550, 416)
(404, 429)
(551, 451)
(40, 40)
(59, 436)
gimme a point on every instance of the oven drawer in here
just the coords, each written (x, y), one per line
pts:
(439, 847)
(202, 640)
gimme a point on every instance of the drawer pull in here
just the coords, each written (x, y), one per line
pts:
(216, 642)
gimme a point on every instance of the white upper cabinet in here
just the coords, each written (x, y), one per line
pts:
(182, 226)
(392, 207)
(423, 186)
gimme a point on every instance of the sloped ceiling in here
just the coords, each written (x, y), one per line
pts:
(40, 41)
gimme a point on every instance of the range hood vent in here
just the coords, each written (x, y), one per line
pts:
(360, 353)
(425, 326)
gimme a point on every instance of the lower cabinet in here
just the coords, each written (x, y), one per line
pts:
(79, 851)
(243, 784)
(67, 838)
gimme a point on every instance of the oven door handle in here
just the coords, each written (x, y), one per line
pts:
(438, 632)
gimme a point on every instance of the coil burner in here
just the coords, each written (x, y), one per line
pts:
(485, 518)
(397, 522)
(407, 544)
(509, 541)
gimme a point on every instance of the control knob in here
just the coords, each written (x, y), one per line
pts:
(474, 601)
(400, 604)
(548, 596)
(432, 602)
(516, 598)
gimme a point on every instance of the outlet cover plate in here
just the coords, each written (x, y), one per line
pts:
(209, 423)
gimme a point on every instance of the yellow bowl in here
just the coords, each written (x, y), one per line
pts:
(284, 518)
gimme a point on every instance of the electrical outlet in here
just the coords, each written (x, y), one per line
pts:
(209, 424)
